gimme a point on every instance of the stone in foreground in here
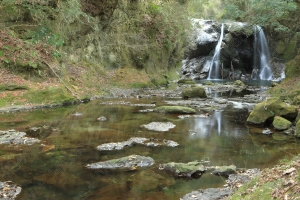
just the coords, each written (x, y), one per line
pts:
(208, 194)
(184, 170)
(9, 190)
(123, 163)
(175, 110)
(159, 126)
(15, 137)
(135, 140)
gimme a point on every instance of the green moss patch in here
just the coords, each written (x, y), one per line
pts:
(280, 123)
(50, 95)
(12, 87)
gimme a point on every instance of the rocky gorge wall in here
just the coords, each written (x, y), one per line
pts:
(237, 51)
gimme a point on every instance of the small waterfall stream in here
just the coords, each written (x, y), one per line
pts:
(261, 55)
(215, 62)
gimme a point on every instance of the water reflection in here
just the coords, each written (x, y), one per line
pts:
(59, 173)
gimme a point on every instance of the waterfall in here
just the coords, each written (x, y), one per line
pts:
(214, 70)
(261, 55)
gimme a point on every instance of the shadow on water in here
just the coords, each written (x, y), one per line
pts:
(57, 170)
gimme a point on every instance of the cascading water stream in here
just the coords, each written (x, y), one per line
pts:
(261, 55)
(215, 62)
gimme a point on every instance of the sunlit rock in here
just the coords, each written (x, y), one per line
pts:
(159, 126)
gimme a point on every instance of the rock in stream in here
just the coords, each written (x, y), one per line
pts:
(127, 162)
(136, 140)
(159, 126)
(192, 169)
(9, 190)
(15, 137)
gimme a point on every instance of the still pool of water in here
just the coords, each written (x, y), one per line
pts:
(57, 171)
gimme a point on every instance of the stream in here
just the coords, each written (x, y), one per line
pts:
(70, 136)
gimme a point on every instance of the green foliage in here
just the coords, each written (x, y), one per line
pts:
(265, 13)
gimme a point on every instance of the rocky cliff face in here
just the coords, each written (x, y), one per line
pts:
(236, 54)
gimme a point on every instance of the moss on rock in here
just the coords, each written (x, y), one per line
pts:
(270, 108)
(297, 131)
(175, 110)
(191, 92)
(280, 123)
(186, 81)
(239, 83)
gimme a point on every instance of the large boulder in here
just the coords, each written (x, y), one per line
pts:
(270, 108)
(184, 170)
(127, 162)
(192, 92)
(175, 110)
(281, 124)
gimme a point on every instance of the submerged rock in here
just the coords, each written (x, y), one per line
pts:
(9, 190)
(193, 92)
(175, 110)
(281, 124)
(159, 126)
(15, 137)
(184, 170)
(208, 194)
(127, 162)
(186, 81)
(266, 131)
(62, 180)
(224, 171)
(269, 109)
(136, 140)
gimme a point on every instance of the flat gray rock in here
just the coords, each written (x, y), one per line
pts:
(184, 170)
(127, 162)
(136, 140)
(159, 126)
(15, 137)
